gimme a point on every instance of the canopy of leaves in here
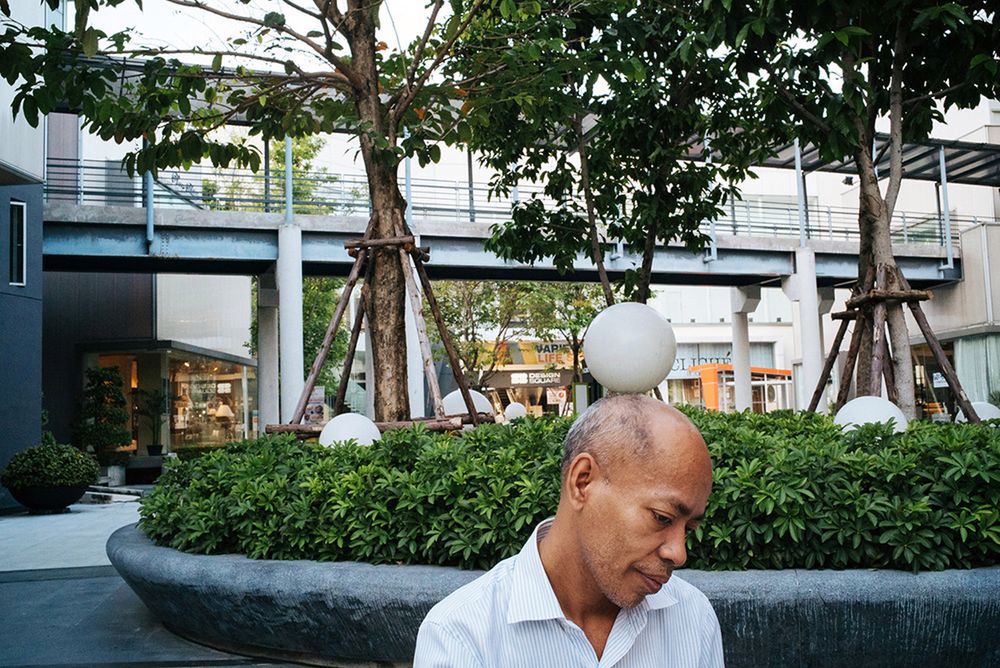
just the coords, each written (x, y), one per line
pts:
(269, 74)
(645, 86)
(827, 69)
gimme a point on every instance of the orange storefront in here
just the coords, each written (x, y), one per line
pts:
(770, 388)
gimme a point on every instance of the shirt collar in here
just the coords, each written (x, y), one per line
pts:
(532, 598)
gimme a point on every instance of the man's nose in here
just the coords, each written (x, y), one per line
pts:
(674, 548)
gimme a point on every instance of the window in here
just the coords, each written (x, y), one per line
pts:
(18, 250)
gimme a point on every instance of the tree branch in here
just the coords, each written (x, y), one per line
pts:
(418, 54)
(335, 60)
(400, 107)
(336, 76)
(811, 117)
(934, 96)
(896, 119)
(302, 9)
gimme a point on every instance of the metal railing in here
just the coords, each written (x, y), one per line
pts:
(105, 183)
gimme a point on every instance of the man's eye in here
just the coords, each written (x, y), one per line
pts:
(663, 519)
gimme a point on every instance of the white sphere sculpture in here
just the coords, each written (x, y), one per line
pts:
(629, 347)
(867, 410)
(454, 404)
(347, 426)
(515, 410)
(984, 409)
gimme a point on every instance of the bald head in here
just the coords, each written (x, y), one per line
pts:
(626, 428)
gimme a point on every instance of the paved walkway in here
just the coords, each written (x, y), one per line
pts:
(63, 604)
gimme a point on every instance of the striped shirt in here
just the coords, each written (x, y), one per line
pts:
(510, 617)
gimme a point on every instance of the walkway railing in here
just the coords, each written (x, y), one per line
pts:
(104, 183)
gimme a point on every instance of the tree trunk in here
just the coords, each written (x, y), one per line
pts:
(869, 208)
(588, 196)
(385, 310)
(575, 345)
(876, 249)
(646, 271)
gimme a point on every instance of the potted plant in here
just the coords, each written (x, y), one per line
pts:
(50, 476)
(102, 427)
(152, 405)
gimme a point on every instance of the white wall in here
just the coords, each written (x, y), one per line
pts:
(208, 311)
(22, 147)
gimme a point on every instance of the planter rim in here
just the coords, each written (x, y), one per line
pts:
(335, 613)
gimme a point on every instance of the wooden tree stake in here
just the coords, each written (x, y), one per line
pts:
(940, 357)
(850, 362)
(878, 340)
(831, 359)
(425, 344)
(352, 345)
(463, 386)
(331, 330)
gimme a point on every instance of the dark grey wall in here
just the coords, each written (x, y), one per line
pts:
(82, 308)
(20, 333)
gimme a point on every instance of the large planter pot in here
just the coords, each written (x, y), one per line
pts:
(359, 614)
(48, 499)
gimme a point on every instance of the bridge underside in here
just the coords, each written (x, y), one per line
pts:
(104, 239)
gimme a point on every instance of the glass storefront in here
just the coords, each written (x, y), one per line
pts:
(180, 396)
(213, 401)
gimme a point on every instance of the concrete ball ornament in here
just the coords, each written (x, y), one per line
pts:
(868, 410)
(347, 426)
(984, 409)
(629, 347)
(515, 410)
(455, 405)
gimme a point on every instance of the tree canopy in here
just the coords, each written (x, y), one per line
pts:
(828, 73)
(606, 108)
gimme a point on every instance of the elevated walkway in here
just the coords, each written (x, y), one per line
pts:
(85, 237)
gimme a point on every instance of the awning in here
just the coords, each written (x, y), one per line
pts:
(965, 162)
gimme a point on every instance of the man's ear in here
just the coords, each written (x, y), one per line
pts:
(582, 474)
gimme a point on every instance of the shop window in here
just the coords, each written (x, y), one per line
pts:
(18, 245)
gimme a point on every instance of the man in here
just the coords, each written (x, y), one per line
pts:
(593, 587)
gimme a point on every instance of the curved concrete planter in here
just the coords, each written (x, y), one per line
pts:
(358, 614)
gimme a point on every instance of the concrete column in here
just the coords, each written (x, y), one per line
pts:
(744, 301)
(267, 351)
(801, 287)
(289, 280)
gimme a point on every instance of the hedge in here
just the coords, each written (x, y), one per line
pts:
(791, 491)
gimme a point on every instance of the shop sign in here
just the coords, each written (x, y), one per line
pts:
(938, 379)
(555, 395)
(535, 378)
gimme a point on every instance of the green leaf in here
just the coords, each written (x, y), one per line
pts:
(89, 42)
(274, 20)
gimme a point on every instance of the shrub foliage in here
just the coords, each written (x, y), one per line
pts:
(790, 491)
(49, 465)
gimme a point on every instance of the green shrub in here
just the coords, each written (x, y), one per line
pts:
(49, 465)
(413, 497)
(102, 426)
(790, 491)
